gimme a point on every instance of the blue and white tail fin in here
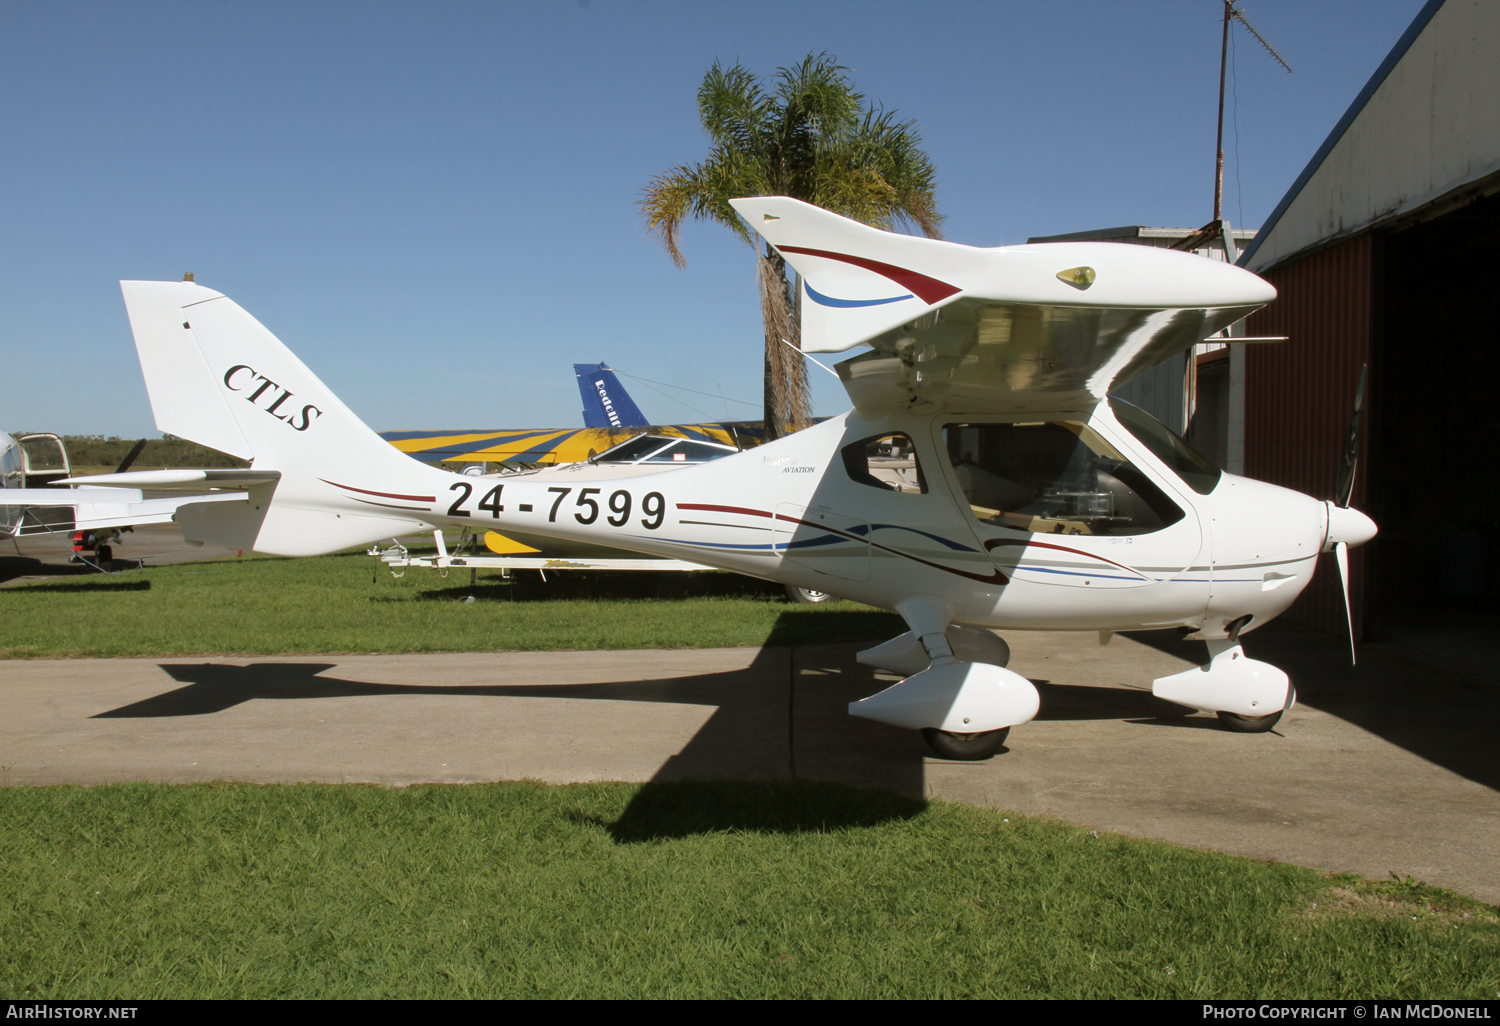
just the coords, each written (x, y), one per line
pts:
(606, 404)
(216, 376)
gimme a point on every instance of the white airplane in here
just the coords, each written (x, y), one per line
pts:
(982, 479)
(95, 510)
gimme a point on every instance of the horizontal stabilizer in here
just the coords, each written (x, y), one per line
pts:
(65, 496)
(95, 508)
(178, 479)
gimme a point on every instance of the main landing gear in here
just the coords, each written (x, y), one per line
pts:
(965, 747)
(956, 690)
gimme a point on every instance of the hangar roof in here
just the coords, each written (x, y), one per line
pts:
(1425, 129)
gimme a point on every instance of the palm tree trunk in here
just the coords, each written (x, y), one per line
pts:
(799, 398)
(787, 404)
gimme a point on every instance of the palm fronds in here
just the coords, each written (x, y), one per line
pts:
(811, 137)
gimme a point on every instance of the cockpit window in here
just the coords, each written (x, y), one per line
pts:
(636, 448)
(662, 449)
(1054, 478)
(689, 452)
(1185, 461)
(885, 461)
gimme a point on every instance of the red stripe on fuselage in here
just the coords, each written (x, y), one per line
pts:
(383, 495)
(724, 509)
(995, 543)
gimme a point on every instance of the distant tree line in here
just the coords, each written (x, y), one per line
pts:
(167, 451)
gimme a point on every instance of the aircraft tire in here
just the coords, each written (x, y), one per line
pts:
(965, 747)
(1248, 724)
(807, 595)
(104, 556)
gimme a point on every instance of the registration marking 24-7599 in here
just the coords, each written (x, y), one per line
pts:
(620, 502)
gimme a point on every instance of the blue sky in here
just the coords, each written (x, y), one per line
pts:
(435, 204)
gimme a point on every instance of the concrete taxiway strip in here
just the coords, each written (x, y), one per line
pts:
(1387, 768)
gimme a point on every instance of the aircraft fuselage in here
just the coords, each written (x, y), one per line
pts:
(792, 511)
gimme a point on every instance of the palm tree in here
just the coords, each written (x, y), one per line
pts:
(813, 138)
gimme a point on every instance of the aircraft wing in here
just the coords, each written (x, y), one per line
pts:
(1052, 326)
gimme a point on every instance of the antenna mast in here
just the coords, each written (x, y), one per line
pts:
(1218, 227)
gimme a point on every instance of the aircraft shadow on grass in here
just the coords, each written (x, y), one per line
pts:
(12, 567)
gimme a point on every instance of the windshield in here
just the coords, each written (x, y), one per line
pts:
(1182, 459)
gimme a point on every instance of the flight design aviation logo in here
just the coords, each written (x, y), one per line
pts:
(307, 414)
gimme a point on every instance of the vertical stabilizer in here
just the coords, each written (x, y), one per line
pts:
(606, 404)
(183, 388)
(217, 376)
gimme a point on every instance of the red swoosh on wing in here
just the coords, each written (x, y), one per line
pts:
(929, 290)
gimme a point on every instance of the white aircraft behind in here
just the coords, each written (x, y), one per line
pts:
(982, 479)
(94, 509)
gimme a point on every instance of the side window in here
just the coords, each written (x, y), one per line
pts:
(888, 462)
(1054, 478)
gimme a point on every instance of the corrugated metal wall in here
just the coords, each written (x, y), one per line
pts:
(1299, 394)
(1159, 391)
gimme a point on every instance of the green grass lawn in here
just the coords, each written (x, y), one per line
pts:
(343, 603)
(675, 890)
(622, 890)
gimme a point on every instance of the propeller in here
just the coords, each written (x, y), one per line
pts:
(1344, 492)
(135, 451)
(1349, 526)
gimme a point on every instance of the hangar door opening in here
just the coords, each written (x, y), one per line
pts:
(1435, 426)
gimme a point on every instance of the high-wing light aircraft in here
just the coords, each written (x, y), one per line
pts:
(982, 479)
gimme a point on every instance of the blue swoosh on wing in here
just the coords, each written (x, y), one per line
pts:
(822, 300)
